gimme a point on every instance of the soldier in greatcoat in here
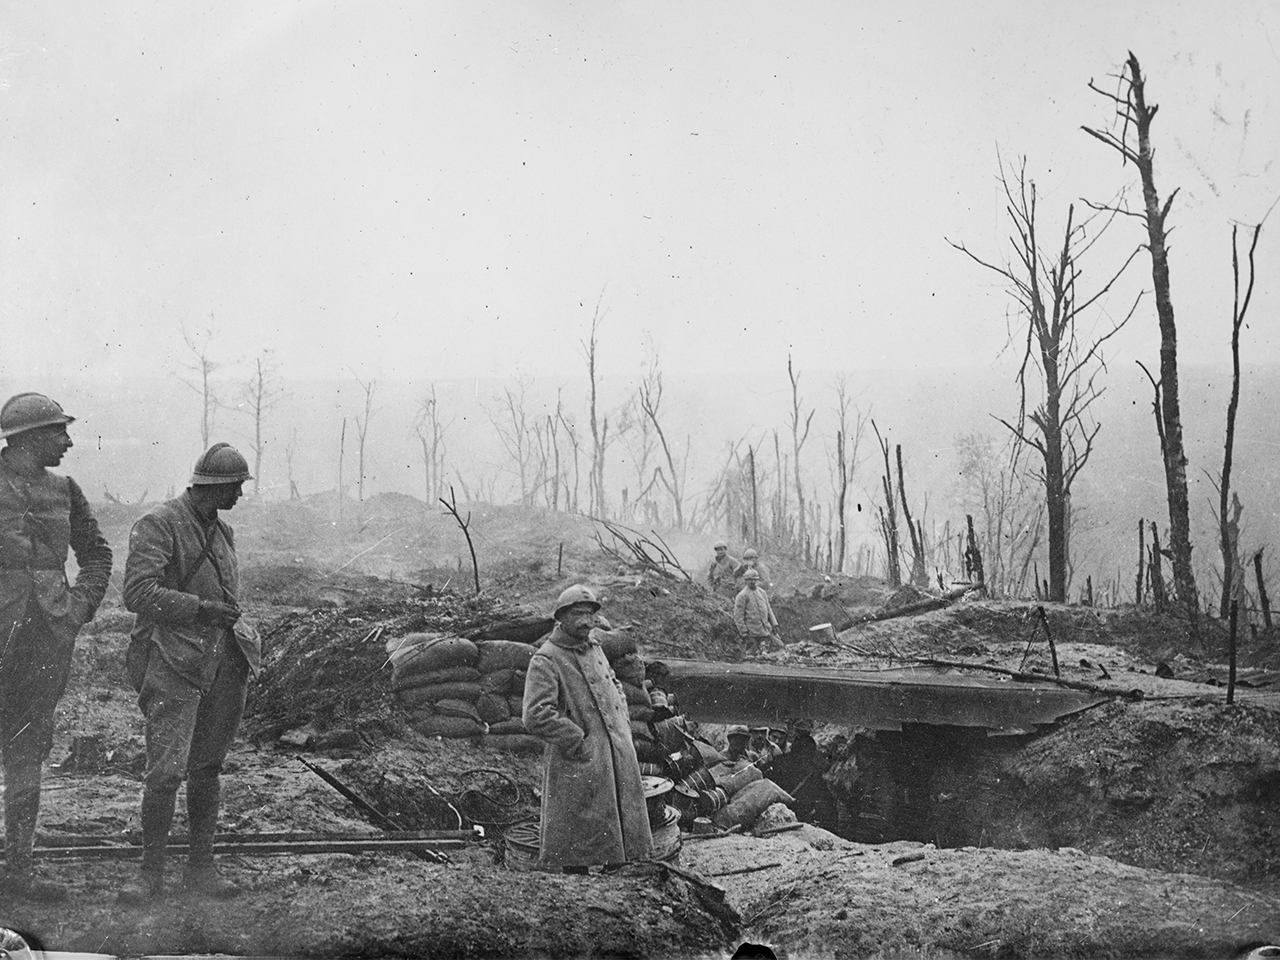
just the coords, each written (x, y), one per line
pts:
(42, 516)
(593, 807)
(190, 659)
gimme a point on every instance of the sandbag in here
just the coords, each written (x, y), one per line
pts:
(638, 711)
(751, 801)
(503, 655)
(493, 708)
(640, 728)
(508, 726)
(616, 643)
(397, 647)
(451, 727)
(437, 653)
(637, 696)
(421, 713)
(448, 675)
(450, 707)
(417, 696)
(736, 777)
(512, 742)
(710, 755)
(630, 669)
(498, 681)
(647, 751)
(515, 703)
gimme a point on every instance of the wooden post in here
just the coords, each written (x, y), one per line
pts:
(1231, 670)
(1262, 591)
(560, 560)
(1154, 569)
(1088, 591)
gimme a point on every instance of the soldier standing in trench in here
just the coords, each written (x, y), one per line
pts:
(593, 808)
(42, 515)
(190, 657)
(723, 570)
(753, 614)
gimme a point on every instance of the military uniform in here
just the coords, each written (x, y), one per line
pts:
(191, 670)
(43, 516)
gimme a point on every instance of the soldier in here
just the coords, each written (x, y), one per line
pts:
(762, 746)
(723, 570)
(42, 515)
(190, 658)
(593, 806)
(752, 612)
(738, 738)
(751, 561)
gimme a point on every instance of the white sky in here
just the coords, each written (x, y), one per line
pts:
(437, 190)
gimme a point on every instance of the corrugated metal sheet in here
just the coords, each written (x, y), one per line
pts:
(756, 693)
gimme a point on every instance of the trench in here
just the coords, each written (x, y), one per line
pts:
(925, 783)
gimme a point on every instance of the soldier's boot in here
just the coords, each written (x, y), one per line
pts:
(21, 808)
(202, 877)
(157, 818)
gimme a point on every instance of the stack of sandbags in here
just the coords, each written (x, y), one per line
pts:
(748, 803)
(454, 687)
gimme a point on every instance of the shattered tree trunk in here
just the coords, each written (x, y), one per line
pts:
(1228, 532)
(1263, 599)
(918, 576)
(1135, 110)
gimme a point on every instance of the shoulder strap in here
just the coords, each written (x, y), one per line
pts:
(204, 555)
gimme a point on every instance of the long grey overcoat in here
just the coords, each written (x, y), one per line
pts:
(593, 808)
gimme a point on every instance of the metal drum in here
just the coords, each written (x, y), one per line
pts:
(699, 780)
(666, 836)
(523, 845)
(709, 801)
(656, 790)
(650, 769)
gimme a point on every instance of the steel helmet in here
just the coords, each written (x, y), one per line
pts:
(751, 575)
(737, 730)
(750, 553)
(30, 411)
(221, 463)
(573, 596)
(719, 545)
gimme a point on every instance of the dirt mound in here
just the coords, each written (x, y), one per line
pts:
(672, 619)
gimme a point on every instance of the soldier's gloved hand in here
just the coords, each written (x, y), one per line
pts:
(215, 613)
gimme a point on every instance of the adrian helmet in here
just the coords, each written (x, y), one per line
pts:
(30, 411)
(221, 463)
(572, 596)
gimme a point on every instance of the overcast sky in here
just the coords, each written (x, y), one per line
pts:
(429, 190)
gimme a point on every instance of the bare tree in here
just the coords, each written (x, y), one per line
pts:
(430, 433)
(888, 516)
(518, 438)
(848, 439)
(641, 444)
(290, 450)
(599, 424)
(200, 370)
(1066, 365)
(1133, 117)
(262, 391)
(362, 429)
(1229, 532)
(799, 434)
(673, 479)
(575, 444)
(994, 487)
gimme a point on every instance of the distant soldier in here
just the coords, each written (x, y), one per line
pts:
(42, 516)
(752, 612)
(722, 574)
(751, 561)
(190, 658)
(762, 746)
(738, 739)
